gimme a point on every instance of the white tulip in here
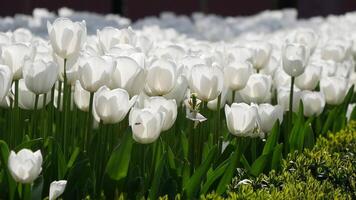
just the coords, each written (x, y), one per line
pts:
(334, 89)
(95, 72)
(207, 82)
(306, 37)
(258, 88)
(81, 97)
(261, 53)
(179, 90)
(313, 102)
(109, 37)
(22, 35)
(66, 37)
(242, 120)
(167, 107)
(40, 75)
(27, 98)
(225, 94)
(309, 79)
(14, 56)
(161, 77)
(25, 166)
(268, 115)
(283, 96)
(5, 81)
(128, 75)
(56, 189)
(294, 57)
(236, 75)
(112, 105)
(146, 125)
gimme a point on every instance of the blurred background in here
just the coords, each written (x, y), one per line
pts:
(135, 9)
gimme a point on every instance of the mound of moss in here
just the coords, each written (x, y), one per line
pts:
(328, 171)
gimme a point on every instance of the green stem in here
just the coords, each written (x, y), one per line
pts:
(233, 96)
(291, 104)
(26, 191)
(34, 117)
(89, 120)
(217, 132)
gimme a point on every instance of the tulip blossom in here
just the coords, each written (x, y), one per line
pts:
(313, 102)
(206, 81)
(283, 97)
(14, 56)
(40, 75)
(309, 79)
(95, 72)
(27, 98)
(242, 120)
(56, 189)
(167, 107)
(66, 37)
(146, 125)
(22, 35)
(25, 166)
(109, 37)
(334, 89)
(81, 97)
(268, 115)
(128, 75)
(294, 58)
(161, 77)
(179, 90)
(111, 106)
(261, 53)
(258, 88)
(236, 75)
(5, 81)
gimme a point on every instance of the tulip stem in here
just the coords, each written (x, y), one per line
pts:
(26, 191)
(34, 117)
(233, 96)
(16, 116)
(217, 132)
(291, 104)
(89, 121)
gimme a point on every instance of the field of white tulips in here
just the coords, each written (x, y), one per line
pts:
(98, 107)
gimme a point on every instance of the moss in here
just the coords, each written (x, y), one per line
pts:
(328, 171)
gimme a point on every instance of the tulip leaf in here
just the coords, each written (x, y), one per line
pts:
(4, 156)
(119, 160)
(353, 114)
(277, 157)
(259, 165)
(30, 144)
(272, 139)
(309, 138)
(37, 187)
(156, 182)
(229, 172)
(193, 184)
(73, 157)
(329, 120)
(214, 175)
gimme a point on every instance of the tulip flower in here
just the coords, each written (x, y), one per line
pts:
(56, 189)
(109, 37)
(258, 88)
(40, 75)
(236, 75)
(81, 97)
(334, 89)
(146, 125)
(225, 94)
(128, 75)
(242, 120)
(66, 37)
(161, 77)
(313, 102)
(22, 35)
(335, 50)
(167, 107)
(207, 82)
(179, 90)
(261, 53)
(25, 166)
(112, 105)
(294, 57)
(95, 72)
(268, 115)
(5, 81)
(27, 98)
(14, 56)
(283, 98)
(306, 37)
(309, 79)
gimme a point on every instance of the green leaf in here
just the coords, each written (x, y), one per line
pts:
(4, 156)
(259, 165)
(214, 175)
(229, 172)
(329, 120)
(277, 157)
(156, 183)
(193, 185)
(272, 139)
(73, 157)
(309, 138)
(37, 187)
(119, 160)
(30, 144)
